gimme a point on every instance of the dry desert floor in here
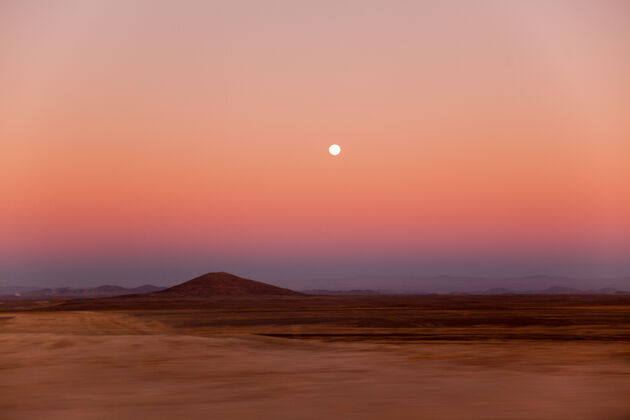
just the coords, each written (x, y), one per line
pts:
(306, 360)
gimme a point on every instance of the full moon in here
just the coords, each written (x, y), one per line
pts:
(334, 149)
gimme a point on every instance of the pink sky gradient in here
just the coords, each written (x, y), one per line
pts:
(491, 129)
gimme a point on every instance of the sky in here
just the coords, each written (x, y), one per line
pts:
(152, 141)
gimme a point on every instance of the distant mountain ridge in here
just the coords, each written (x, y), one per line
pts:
(95, 292)
(352, 292)
(225, 284)
(10, 290)
(554, 290)
(444, 284)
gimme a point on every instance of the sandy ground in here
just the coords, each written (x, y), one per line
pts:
(104, 365)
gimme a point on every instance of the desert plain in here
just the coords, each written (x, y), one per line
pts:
(317, 357)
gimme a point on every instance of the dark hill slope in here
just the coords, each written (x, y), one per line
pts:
(223, 284)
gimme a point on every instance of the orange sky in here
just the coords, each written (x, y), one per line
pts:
(141, 128)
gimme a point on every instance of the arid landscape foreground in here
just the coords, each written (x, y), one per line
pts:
(316, 357)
